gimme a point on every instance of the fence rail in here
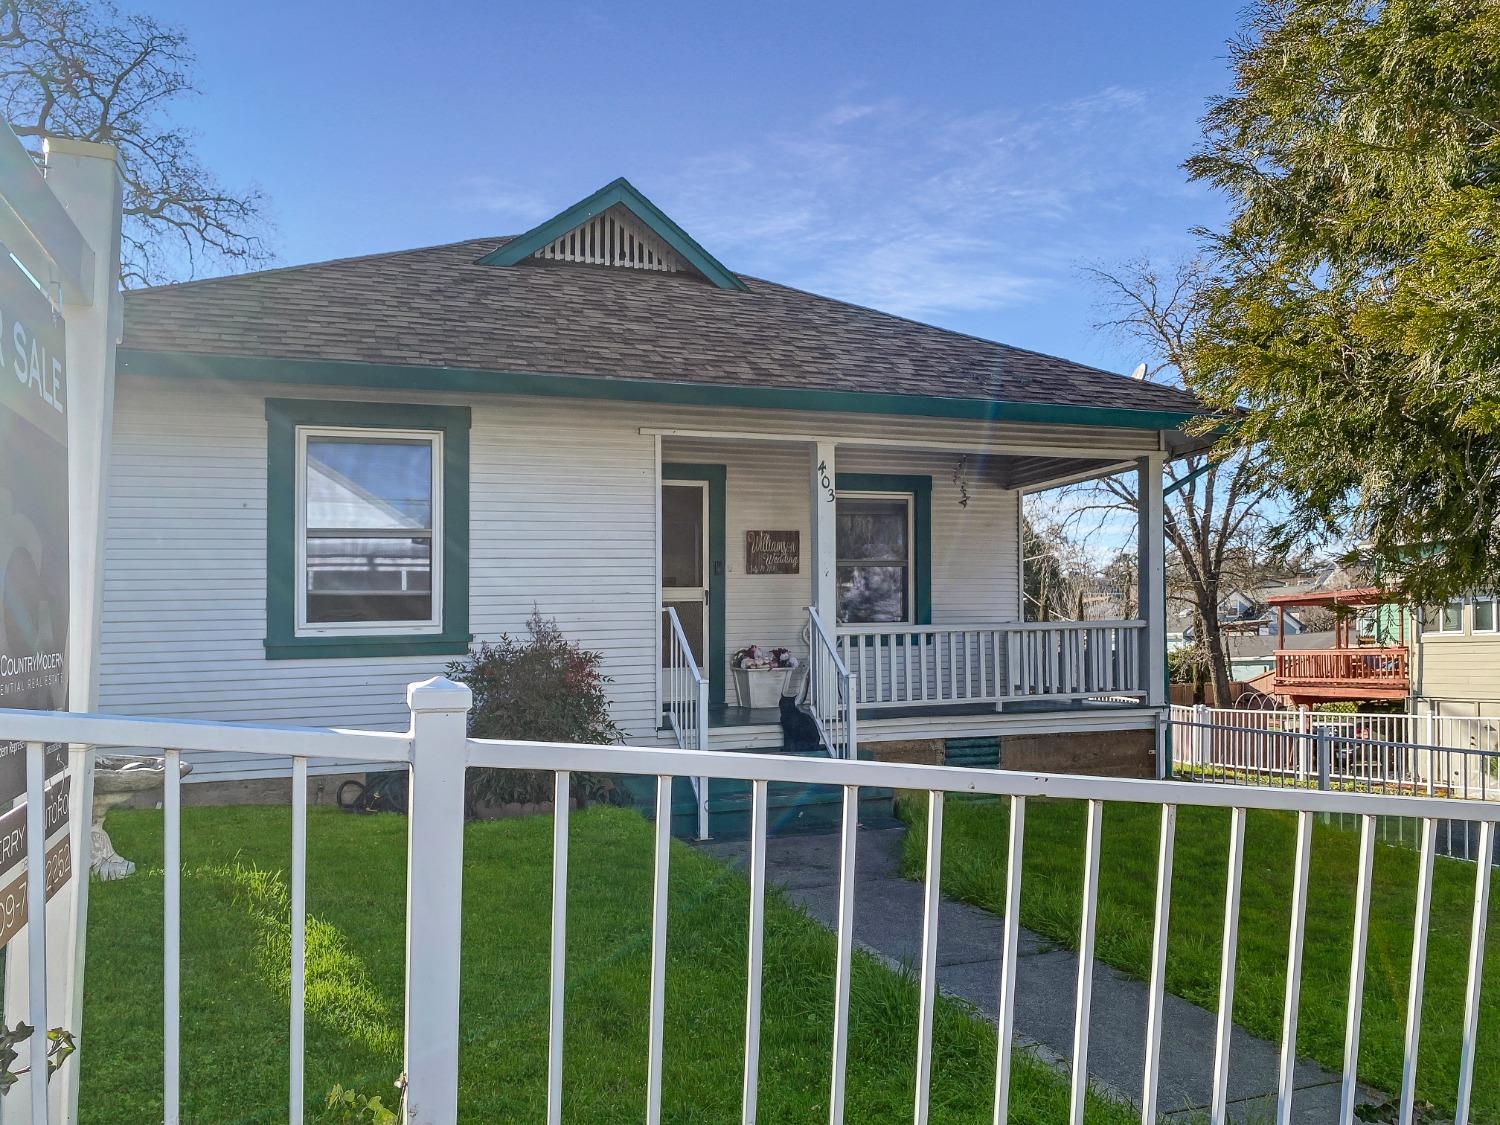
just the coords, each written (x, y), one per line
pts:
(439, 752)
(901, 665)
(1432, 755)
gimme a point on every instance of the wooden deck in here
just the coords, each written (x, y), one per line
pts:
(1357, 673)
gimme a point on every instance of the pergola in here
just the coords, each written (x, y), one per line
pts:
(1335, 599)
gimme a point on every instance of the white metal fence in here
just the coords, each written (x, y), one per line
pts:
(438, 753)
(1432, 755)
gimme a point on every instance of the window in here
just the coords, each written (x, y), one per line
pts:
(1447, 618)
(369, 545)
(1485, 616)
(367, 526)
(875, 558)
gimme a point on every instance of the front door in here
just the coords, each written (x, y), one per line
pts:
(685, 566)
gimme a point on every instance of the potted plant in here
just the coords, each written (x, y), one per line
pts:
(760, 675)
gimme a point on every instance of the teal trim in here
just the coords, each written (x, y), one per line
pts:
(623, 192)
(283, 416)
(920, 488)
(1183, 482)
(715, 476)
(469, 380)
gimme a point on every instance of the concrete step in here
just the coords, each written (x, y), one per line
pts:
(791, 806)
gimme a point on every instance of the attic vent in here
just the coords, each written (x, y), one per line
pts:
(613, 238)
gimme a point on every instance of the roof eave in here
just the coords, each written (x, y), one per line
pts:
(345, 373)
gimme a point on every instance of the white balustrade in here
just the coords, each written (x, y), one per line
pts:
(906, 665)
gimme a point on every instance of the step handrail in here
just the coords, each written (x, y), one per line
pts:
(686, 705)
(831, 690)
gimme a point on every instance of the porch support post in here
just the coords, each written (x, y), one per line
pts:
(823, 478)
(1151, 578)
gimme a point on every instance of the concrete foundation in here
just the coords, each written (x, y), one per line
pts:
(1105, 753)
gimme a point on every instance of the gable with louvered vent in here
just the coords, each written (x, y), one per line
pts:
(614, 238)
(616, 226)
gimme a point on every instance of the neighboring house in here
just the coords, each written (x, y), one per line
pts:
(329, 479)
(1456, 660)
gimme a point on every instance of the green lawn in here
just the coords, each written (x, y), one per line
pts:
(235, 981)
(974, 868)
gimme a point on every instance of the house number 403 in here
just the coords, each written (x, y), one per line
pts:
(823, 482)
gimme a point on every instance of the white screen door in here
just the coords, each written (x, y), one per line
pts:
(684, 563)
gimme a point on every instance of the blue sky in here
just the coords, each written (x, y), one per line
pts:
(959, 163)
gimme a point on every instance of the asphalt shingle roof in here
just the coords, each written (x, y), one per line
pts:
(439, 307)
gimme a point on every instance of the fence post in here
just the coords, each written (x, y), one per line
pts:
(1429, 738)
(702, 708)
(1304, 727)
(1202, 738)
(434, 915)
(1325, 758)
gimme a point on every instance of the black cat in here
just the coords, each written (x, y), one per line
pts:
(799, 733)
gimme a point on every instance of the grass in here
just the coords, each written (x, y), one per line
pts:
(974, 869)
(235, 983)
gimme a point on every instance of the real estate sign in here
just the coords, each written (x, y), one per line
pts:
(33, 496)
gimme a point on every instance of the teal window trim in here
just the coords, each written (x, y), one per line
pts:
(471, 380)
(283, 417)
(920, 488)
(714, 476)
(623, 192)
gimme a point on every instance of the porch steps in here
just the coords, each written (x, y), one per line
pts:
(975, 753)
(791, 807)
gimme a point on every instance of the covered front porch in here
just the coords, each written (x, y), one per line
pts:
(887, 570)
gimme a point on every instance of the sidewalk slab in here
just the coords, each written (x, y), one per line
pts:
(888, 924)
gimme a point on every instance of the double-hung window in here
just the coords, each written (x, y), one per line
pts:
(366, 529)
(1446, 618)
(875, 558)
(1486, 619)
(369, 535)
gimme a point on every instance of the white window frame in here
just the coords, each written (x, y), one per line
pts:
(911, 549)
(434, 624)
(1435, 627)
(1494, 615)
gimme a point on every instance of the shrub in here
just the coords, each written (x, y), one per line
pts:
(544, 688)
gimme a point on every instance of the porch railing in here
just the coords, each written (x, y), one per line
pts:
(902, 665)
(685, 701)
(438, 753)
(832, 693)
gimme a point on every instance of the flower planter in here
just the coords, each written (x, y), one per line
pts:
(760, 687)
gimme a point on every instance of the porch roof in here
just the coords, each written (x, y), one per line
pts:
(432, 313)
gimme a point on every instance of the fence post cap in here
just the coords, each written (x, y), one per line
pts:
(439, 694)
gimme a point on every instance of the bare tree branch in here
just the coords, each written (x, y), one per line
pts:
(87, 71)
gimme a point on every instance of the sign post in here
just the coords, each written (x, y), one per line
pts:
(59, 249)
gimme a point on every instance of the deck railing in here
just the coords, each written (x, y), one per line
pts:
(685, 702)
(438, 753)
(831, 690)
(1364, 667)
(905, 665)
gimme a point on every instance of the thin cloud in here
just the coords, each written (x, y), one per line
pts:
(924, 213)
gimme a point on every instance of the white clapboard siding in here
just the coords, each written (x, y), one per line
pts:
(562, 517)
(184, 611)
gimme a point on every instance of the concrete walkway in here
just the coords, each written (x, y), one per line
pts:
(888, 923)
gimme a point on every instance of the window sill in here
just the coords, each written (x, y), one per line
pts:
(334, 648)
